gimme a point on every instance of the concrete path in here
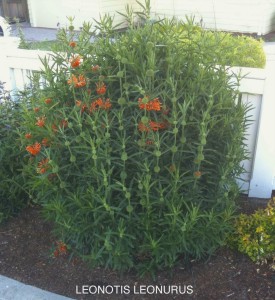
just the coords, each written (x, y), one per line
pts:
(35, 33)
(14, 290)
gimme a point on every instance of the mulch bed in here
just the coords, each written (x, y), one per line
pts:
(26, 255)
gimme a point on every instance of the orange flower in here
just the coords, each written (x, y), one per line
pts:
(150, 105)
(95, 68)
(54, 128)
(56, 253)
(149, 142)
(64, 123)
(106, 105)
(144, 128)
(40, 121)
(43, 166)
(36, 109)
(197, 174)
(45, 142)
(155, 126)
(34, 149)
(72, 44)
(99, 103)
(93, 106)
(75, 61)
(62, 247)
(79, 81)
(78, 103)
(28, 135)
(101, 88)
(48, 101)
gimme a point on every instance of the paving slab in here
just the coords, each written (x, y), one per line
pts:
(35, 33)
(11, 289)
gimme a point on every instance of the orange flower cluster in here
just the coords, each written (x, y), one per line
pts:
(64, 123)
(45, 142)
(34, 149)
(54, 128)
(149, 142)
(100, 103)
(61, 249)
(48, 101)
(197, 174)
(95, 68)
(40, 121)
(79, 104)
(75, 61)
(150, 105)
(101, 88)
(152, 126)
(28, 135)
(43, 166)
(36, 109)
(72, 44)
(77, 82)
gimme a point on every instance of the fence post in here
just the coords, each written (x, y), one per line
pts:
(7, 43)
(262, 182)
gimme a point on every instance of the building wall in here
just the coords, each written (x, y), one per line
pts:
(49, 13)
(230, 15)
(254, 16)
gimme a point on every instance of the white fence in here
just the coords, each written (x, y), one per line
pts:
(258, 88)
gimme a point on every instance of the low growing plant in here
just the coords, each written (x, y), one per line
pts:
(134, 145)
(254, 234)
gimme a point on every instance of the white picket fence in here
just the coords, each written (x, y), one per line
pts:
(257, 87)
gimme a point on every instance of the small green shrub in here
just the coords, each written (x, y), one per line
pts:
(229, 49)
(134, 145)
(242, 51)
(12, 195)
(254, 234)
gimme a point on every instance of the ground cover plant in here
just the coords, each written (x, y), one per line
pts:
(255, 235)
(133, 144)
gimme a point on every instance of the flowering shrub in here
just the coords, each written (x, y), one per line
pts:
(134, 144)
(254, 234)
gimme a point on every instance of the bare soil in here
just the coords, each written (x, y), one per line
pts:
(26, 254)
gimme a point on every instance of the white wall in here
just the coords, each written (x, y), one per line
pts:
(48, 13)
(230, 15)
(254, 16)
